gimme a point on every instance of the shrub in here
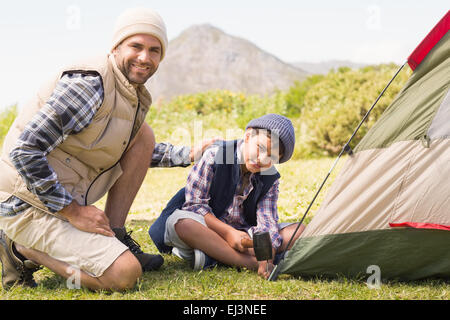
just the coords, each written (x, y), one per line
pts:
(334, 106)
(325, 110)
(218, 111)
(295, 96)
(7, 117)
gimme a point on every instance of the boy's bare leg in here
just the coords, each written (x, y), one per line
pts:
(121, 275)
(287, 233)
(135, 164)
(198, 236)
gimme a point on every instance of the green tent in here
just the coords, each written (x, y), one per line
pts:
(390, 204)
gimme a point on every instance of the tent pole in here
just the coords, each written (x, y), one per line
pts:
(274, 275)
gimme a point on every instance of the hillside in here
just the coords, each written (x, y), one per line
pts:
(204, 58)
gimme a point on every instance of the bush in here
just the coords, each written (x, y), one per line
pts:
(295, 96)
(334, 106)
(325, 110)
(218, 112)
(7, 117)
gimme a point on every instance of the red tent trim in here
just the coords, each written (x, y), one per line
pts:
(419, 225)
(429, 42)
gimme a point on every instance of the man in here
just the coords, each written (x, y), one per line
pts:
(83, 136)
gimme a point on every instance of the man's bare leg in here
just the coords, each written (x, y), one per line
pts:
(135, 164)
(121, 275)
(198, 236)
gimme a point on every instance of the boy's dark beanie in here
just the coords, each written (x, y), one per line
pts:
(280, 126)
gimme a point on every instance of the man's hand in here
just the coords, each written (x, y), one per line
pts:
(87, 218)
(197, 151)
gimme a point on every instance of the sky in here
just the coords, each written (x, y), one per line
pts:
(39, 37)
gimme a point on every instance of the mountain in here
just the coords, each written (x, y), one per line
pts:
(326, 66)
(204, 58)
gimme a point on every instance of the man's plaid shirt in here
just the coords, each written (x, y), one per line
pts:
(69, 110)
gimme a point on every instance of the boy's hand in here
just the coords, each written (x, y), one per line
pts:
(234, 239)
(265, 269)
(231, 235)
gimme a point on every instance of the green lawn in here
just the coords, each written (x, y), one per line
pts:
(175, 280)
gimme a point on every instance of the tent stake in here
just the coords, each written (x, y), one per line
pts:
(274, 275)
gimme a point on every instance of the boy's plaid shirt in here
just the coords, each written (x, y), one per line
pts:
(197, 198)
(69, 110)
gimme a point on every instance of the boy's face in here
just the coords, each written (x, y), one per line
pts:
(258, 153)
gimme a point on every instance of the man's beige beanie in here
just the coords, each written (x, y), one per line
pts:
(140, 21)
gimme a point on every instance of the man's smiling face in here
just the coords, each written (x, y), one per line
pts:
(138, 57)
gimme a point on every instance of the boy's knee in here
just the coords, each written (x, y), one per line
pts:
(123, 273)
(184, 227)
(287, 233)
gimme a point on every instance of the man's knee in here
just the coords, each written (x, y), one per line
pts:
(123, 273)
(147, 136)
(144, 138)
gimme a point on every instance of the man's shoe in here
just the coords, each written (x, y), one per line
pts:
(14, 270)
(149, 262)
(202, 261)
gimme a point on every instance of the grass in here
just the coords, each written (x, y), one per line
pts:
(175, 280)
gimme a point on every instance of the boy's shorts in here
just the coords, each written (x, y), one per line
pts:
(89, 252)
(172, 239)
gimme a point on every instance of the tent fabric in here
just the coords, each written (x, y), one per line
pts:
(438, 128)
(410, 114)
(400, 253)
(429, 42)
(402, 183)
(420, 225)
(398, 175)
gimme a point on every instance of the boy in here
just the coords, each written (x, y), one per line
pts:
(230, 194)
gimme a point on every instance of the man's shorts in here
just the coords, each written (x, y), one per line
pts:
(89, 252)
